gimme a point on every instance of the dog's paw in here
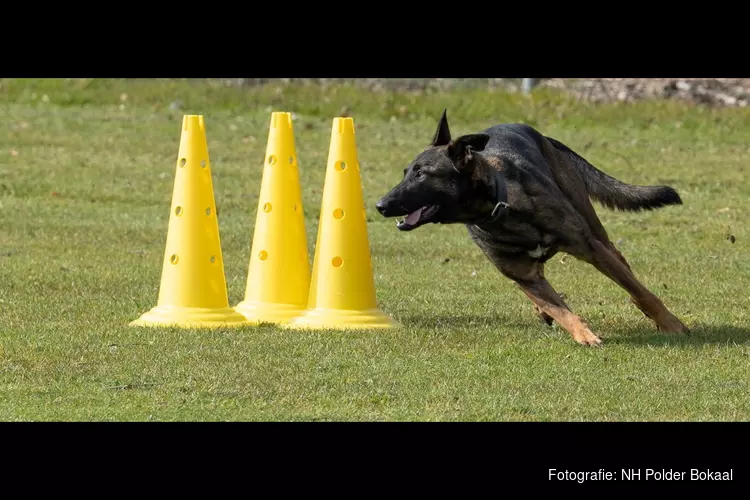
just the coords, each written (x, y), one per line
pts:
(587, 337)
(673, 326)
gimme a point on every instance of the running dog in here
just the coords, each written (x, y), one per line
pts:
(525, 197)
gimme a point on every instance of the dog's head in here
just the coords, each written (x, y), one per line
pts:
(442, 185)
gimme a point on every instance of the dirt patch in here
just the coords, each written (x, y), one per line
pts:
(723, 92)
(726, 92)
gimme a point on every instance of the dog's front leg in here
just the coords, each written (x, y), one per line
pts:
(530, 277)
(546, 298)
(546, 318)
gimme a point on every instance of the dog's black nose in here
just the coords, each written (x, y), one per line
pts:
(381, 206)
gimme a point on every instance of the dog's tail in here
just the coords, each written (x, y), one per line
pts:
(616, 194)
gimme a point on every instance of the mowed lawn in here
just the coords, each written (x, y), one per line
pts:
(86, 177)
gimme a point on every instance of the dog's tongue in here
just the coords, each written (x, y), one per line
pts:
(413, 217)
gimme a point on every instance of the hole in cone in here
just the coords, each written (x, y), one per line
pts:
(263, 255)
(183, 162)
(178, 211)
(213, 259)
(208, 211)
(272, 160)
(338, 214)
(337, 262)
(341, 166)
(173, 259)
(203, 163)
(267, 207)
(291, 160)
(294, 207)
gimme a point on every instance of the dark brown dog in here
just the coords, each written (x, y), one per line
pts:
(524, 197)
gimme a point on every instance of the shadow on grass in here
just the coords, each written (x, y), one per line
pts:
(459, 321)
(700, 334)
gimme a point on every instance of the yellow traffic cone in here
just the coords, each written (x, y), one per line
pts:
(193, 290)
(278, 279)
(342, 288)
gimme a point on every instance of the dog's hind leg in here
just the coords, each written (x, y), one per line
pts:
(619, 255)
(528, 274)
(622, 259)
(612, 264)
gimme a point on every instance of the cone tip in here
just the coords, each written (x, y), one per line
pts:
(193, 122)
(281, 119)
(344, 125)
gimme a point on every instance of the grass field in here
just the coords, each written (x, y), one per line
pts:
(86, 177)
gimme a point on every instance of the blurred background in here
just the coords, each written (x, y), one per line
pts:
(716, 91)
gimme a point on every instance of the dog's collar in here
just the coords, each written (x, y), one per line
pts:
(501, 201)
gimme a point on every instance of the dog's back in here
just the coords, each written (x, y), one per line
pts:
(517, 142)
(529, 150)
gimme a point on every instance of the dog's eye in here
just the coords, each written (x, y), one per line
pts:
(420, 173)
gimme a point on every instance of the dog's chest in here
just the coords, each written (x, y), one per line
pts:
(538, 252)
(512, 242)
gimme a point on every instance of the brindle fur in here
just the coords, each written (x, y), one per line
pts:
(548, 191)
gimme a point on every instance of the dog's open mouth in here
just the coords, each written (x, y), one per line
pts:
(418, 217)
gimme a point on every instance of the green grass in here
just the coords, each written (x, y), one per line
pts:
(86, 175)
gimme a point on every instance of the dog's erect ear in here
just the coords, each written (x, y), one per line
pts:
(443, 133)
(460, 150)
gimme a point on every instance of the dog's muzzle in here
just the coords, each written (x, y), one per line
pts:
(381, 207)
(388, 208)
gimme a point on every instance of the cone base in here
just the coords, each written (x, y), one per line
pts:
(339, 319)
(190, 317)
(268, 312)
